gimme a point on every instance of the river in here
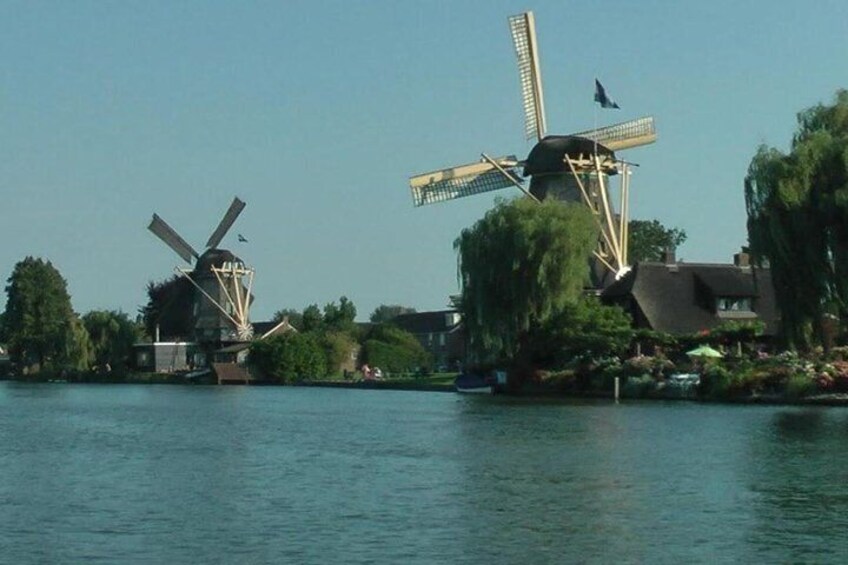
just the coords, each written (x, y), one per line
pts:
(171, 474)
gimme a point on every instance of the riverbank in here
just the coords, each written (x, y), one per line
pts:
(444, 383)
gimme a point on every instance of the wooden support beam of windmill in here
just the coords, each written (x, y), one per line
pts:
(608, 214)
(595, 213)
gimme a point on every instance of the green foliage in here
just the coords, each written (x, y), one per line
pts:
(585, 327)
(650, 340)
(288, 357)
(800, 385)
(112, 336)
(39, 321)
(340, 317)
(648, 240)
(170, 305)
(337, 347)
(76, 352)
(797, 206)
(312, 319)
(394, 350)
(717, 382)
(521, 264)
(387, 312)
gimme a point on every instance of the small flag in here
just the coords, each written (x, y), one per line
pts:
(242, 239)
(602, 98)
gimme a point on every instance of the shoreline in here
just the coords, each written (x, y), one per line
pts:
(829, 399)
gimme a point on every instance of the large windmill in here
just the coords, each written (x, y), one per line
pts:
(575, 167)
(222, 281)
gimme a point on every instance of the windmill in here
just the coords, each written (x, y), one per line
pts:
(222, 281)
(575, 167)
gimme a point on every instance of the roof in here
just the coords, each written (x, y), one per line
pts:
(730, 282)
(680, 298)
(439, 321)
(548, 156)
(262, 330)
(214, 258)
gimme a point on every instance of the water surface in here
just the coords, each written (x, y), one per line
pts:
(170, 474)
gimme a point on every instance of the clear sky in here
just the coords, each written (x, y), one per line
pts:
(316, 113)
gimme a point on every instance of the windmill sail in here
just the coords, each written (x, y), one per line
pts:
(171, 238)
(226, 222)
(624, 135)
(523, 29)
(465, 180)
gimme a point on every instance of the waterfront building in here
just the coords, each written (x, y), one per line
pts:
(686, 298)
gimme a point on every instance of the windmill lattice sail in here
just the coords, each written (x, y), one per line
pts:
(523, 29)
(625, 135)
(465, 180)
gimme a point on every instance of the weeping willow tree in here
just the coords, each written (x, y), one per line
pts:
(521, 264)
(797, 206)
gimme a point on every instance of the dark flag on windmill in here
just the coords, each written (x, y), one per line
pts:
(242, 239)
(602, 98)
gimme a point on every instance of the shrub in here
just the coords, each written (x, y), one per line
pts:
(716, 382)
(287, 357)
(639, 387)
(800, 385)
(394, 350)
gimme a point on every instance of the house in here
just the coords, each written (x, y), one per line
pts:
(164, 356)
(440, 333)
(687, 298)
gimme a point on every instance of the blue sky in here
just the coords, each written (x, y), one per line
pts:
(316, 113)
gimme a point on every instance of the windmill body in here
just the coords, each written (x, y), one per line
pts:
(571, 168)
(221, 281)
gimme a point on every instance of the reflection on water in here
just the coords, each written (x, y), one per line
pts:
(208, 474)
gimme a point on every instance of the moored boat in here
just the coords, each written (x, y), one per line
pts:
(474, 384)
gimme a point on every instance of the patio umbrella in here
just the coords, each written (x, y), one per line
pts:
(704, 351)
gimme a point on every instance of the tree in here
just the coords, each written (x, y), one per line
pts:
(39, 318)
(341, 317)
(386, 312)
(76, 351)
(648, 240)
(112, 336)
(170, 307)
(522, 263)
(338, 347)
(797, 205)
(311, 319)
(288, 357)
(584, 327)
(394, 350)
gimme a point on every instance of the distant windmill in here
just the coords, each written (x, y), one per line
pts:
(573, 167)
(222, 309)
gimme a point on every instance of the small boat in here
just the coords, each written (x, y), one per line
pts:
(473, 384)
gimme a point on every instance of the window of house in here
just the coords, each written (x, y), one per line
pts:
(733, 304)
(441, 340)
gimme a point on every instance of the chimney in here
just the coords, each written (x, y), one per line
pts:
(742, 259)
(669, 257)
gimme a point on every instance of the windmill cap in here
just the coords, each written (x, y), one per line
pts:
(215, 258)
(548, 155)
